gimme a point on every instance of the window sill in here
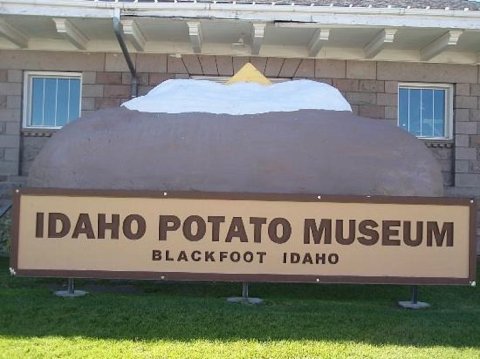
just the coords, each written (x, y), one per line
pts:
(38, 132)
(439, 143)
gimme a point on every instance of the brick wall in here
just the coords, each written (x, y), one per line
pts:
(10, 110)
(370, 87)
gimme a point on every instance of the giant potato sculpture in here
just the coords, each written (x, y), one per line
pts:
(290, 151)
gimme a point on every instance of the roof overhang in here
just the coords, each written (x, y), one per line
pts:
(389, 34)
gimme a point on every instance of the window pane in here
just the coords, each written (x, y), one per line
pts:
(415, 112)
(54, 100)
(74, 102)
(403, 108)
(50, 101)
(62, 102)
(427, 113)
(422, 111)
(439, 113)
(37, 102)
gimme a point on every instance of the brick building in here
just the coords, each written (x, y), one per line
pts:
(414, 64)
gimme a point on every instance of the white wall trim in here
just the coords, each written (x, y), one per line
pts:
(196, 36)
(13, 35)
(378, 43)
(318, 40)
(133, 34)
(71, 33)
(325, 15)
(441, 44)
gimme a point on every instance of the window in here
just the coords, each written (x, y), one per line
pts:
(52, 99)
(425, 110)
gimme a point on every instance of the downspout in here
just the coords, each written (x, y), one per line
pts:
(118, 29)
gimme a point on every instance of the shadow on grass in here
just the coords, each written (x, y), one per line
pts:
(190, 311)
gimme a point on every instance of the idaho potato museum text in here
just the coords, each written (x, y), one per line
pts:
(216, 228)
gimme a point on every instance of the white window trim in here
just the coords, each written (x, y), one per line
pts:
(27, 95)
(448, 105)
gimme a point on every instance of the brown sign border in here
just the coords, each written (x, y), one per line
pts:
(183, 276)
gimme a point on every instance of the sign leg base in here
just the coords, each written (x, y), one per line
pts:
(67, 294)
(71, 292)
(411, 305)
(245, 299)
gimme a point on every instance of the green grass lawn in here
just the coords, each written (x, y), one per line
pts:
(185, 320)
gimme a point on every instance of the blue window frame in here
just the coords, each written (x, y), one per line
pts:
(52, 99)
(425, 110)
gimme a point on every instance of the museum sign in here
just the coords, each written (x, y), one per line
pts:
(243, 237)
